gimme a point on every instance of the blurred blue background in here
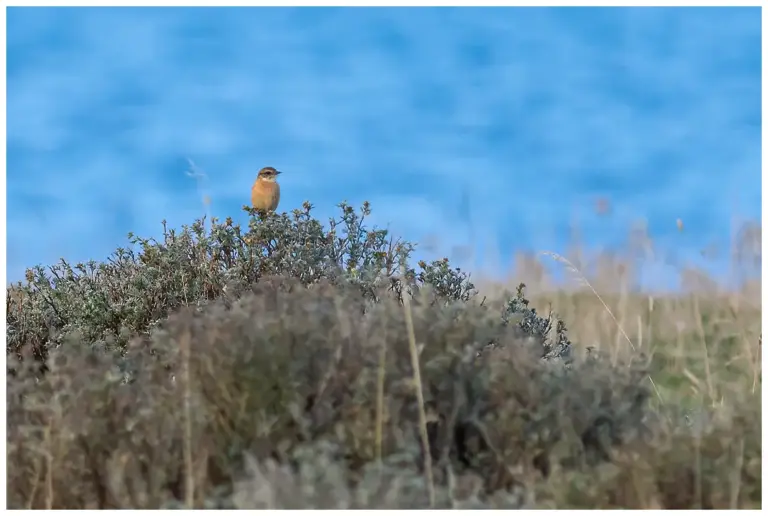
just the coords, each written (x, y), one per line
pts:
(493, 128)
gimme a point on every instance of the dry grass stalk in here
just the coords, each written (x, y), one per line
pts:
(189, 479)
(380, 377)
(583, 281)
(420, 397)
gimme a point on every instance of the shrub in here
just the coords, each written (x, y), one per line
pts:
(285, 368)
(135, 288)
(271, 368)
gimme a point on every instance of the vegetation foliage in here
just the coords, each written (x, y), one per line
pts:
(273, 367)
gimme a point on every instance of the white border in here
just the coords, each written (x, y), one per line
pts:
(391, 3)
(3, 233)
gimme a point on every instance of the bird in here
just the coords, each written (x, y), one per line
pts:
(265, 192)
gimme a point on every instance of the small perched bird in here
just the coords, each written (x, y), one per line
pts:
(265, 192)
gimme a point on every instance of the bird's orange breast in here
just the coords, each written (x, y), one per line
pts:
(265, 195)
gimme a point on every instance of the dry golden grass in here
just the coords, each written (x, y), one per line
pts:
(704, 340)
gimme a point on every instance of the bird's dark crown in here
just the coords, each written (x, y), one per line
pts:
(269, 172)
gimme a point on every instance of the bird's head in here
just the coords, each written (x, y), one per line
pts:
(268, 174)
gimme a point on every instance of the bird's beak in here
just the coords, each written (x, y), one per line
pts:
(278, 172)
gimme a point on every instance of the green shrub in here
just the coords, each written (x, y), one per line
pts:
(135, 288)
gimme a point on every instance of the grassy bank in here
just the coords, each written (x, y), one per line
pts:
(287, 365)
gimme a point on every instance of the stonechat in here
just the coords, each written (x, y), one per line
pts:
(265, 192)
